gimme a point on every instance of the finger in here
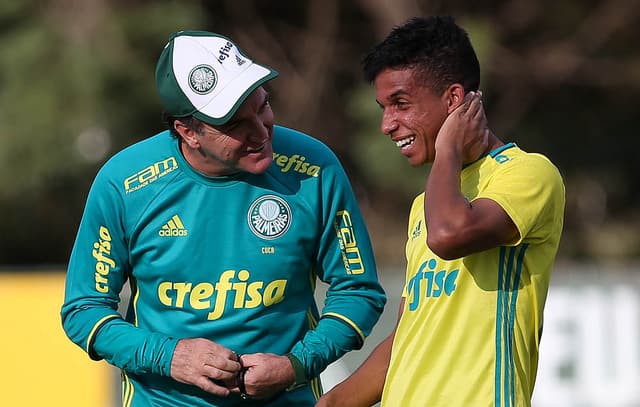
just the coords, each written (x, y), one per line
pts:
(472, 102)
(252, 360)
(211, 387)
(477, 110)
(470, 95)
(215, 373)
(474, 107)
(464, 107)
(222, 352)
(223, 363)
(247, 359)
(234, 389)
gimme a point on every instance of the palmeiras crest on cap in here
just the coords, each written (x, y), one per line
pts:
(206, 75)
(203, 79)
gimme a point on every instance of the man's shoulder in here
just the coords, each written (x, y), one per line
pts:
(140, 163)
(288, 141)
(515, 158)
(297, 152)
(140, 152)
(540, 164)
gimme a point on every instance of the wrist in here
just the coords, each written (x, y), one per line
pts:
(447, 154)
(300, 377)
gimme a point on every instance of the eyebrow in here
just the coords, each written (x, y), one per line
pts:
(394, 95)
(398, 93)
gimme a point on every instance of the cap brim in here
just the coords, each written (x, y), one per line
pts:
(228, 100)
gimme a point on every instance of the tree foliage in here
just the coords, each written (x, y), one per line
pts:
(77, 85)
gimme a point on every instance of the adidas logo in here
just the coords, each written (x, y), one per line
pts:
(173, 228)
(240, 61)
(417, 230)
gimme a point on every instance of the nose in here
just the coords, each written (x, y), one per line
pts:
(259, 135)
(260, 131)
(388, 124)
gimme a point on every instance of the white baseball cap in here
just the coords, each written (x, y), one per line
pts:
(206, 75)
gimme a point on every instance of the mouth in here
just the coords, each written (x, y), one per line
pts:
(405, 142)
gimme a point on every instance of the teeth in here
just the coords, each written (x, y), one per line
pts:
(405, 142)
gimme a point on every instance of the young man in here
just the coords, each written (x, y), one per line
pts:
(221, 225)
(482, 238)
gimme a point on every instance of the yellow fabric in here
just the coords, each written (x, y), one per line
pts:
(470, 330)
(41, 367)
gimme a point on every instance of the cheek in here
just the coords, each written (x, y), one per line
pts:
(420, 124)
(229, 149)
(267, 117)
(430, 123)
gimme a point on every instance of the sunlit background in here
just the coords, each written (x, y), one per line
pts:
(559, 77)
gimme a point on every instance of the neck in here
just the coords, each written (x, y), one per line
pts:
(494, 142)
(203, 164)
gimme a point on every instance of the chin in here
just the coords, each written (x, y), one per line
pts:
(416, 161)
(259, 166)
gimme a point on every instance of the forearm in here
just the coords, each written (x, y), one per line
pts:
(457, 227)
(323, 345)
(364, 386)
(353, 305)
(133, 349)
(445, 206)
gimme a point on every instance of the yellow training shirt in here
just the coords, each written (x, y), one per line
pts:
(470, 329)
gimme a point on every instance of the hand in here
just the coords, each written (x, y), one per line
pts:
(200, 361)
(465, 130)
(326, 401)
(266, 374)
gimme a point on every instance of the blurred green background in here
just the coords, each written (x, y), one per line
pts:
(559, 77)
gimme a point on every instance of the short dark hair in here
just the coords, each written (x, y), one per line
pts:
(436, 47)
(189, 121)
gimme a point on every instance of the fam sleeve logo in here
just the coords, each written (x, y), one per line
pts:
(348, 243)
(269, 217)
(149, 174)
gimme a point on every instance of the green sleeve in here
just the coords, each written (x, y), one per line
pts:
(97, 271)
(355, 298)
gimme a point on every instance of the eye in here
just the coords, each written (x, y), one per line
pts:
(402, 104)
(267, 102)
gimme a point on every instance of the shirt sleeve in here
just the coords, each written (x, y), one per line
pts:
(354, 298)
(531, 192)
(98, 269)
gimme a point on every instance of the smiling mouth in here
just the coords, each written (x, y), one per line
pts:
(405, 142)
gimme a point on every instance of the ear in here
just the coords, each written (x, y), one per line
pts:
(189, 135)
(454, 96)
